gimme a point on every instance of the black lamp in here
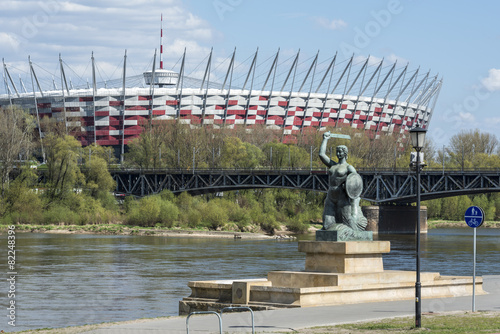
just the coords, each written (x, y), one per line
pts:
(417, 135)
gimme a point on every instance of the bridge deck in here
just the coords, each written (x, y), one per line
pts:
(380, 186)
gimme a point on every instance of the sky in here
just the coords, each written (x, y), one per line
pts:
(458, 40)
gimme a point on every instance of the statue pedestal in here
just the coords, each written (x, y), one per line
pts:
(324, 235)
(344, 257)
(335, 273)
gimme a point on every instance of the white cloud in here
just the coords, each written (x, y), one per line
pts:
(492, 82)
(493, 121)
(466, 117)
(392, 58)
(75, 28)
(334, 24)
(6, 40)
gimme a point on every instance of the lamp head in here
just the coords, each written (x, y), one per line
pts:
(417, 135)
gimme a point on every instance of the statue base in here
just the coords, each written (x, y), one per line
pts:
(336, 273)
(325, 235)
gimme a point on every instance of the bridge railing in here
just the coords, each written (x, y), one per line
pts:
(298, 170)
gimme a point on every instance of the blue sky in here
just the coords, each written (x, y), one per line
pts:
(460, 40)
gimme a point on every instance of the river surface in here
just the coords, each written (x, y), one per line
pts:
(69, 280)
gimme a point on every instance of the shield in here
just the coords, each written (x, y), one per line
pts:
(353, 185)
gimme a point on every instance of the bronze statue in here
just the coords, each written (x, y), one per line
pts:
(342, 212)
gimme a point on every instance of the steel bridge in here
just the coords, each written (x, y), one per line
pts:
(381, 186)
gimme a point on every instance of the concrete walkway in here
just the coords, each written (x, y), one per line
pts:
(288, 320)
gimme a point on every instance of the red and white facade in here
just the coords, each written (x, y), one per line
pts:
(113, 116)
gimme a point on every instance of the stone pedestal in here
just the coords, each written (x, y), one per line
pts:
(344, 257)
(336, 273)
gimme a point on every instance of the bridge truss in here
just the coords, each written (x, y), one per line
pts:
(380, 186)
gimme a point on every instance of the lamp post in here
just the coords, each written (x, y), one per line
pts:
(417, 135)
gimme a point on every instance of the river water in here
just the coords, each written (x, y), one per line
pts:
(69, 280)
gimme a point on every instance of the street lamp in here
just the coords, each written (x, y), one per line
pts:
(417, 135)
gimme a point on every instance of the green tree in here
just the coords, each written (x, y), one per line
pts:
(63, 174)
(98, 181)
(96, 150)
(237, 154)
(22, 204)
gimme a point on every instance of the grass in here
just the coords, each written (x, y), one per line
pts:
(458, 224)
(454, 323)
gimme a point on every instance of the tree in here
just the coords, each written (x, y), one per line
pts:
(16, 129)
(96, 150)
(237, 154)
(466, 145)
(64, 175)
(98, 181)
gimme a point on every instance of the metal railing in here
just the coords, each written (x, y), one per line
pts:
(241, 308)
(220, 316)
(204, 312)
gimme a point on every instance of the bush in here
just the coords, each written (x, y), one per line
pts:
(152, 210)
(58, 213)
(214, 215)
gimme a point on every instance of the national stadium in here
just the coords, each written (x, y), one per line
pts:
(286, 93)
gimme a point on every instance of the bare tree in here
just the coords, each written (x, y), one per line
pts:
(16, 129)
(467, 144)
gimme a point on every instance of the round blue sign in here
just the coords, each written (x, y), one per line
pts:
(474, 216)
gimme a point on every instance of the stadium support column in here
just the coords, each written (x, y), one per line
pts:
(421, 100)
(414, 90)
(403, 72)
(377, 88)
(287, 107)
(94, 91)
(229, 71)
(362, 70)
(180, 82)
(33, 77)
(273, 66)
(363, 89)
(124, 96)
(63, 81)
(7, 89)
(334, 88)
(10, 79)
(313, 65)
(251, 70)
(401, 93)
(206, 77)
(152, 91)
(330, 67)
(435, 96)
(349, 66)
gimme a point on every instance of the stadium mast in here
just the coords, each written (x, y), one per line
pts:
(161, 42)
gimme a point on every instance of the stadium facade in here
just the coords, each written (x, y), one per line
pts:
(289, 95)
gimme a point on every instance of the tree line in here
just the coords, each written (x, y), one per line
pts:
(78, 187)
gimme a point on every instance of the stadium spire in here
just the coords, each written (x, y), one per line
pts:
(161, 42)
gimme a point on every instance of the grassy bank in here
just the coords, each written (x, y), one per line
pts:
(450, 323)
(458, 224)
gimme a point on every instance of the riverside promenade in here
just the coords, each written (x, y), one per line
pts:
(289, 320)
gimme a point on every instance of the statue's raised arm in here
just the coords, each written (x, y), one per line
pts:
(322, 151)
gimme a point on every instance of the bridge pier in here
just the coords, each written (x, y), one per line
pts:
(394, 219)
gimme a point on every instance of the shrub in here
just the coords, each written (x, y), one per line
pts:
(214, 215)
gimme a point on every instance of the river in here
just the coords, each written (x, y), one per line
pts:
(69, 280)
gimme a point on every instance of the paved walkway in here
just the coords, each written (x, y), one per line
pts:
(288, 320)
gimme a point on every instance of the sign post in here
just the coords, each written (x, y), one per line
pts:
(474, 217)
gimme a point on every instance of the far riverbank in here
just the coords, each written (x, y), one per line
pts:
(431, 224)
(120, 229)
